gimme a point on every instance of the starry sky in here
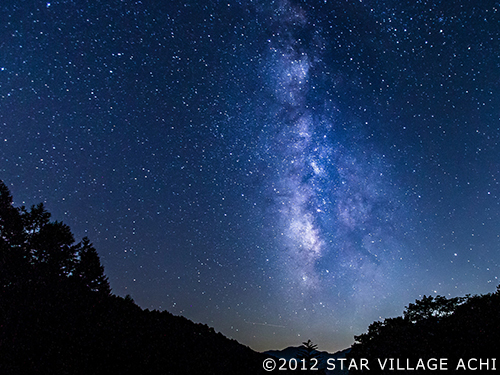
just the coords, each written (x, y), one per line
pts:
(280, 170)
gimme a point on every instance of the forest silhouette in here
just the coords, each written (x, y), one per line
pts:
(463, 331)
(58, 316)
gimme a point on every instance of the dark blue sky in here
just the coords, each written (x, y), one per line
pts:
(280, 170)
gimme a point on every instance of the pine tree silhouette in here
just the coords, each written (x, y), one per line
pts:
(13, 253)
(89, 270)
(34, 250)
(309, 353)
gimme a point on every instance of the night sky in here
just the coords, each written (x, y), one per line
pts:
(280, 170)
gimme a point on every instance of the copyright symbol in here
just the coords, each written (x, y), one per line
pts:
(269, 364)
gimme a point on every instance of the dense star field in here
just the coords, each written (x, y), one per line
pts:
(279, 170)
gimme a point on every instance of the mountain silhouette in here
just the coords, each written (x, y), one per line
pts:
(322, 356)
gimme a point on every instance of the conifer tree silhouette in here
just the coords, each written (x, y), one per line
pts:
(13, 253)
(89, 270)
(35, 250)
(309, 352)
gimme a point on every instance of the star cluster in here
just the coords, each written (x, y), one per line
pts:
(280, 170)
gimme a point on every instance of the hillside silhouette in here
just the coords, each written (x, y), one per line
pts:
(462, 330)
(58, 315)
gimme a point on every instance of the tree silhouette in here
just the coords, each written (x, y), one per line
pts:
(429, 307)
(13, 253)
(88, 269)
(35, 250)
(58, 316)
(309, 351)
(435, 327)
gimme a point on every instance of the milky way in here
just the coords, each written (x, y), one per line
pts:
(294, 189)
(279, 170)
(334, 202)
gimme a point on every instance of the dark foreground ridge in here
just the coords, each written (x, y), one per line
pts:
(58, 316)
(435, 334)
